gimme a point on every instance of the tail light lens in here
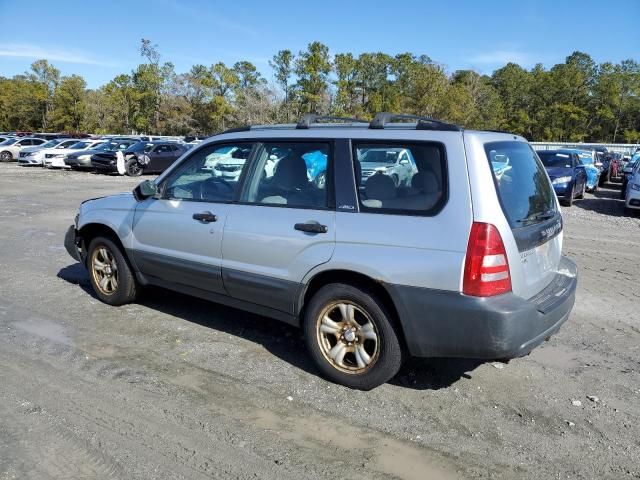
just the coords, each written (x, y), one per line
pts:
(486, 269)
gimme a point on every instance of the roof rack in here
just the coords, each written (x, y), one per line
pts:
(423, 123)
(309, 118)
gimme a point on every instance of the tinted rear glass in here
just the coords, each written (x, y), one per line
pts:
(557, 160)
(521, 181)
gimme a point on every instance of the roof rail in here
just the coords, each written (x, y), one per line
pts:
(244, 128)
(423, 123)
(309, 118)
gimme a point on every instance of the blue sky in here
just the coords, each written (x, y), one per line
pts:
(99, 40)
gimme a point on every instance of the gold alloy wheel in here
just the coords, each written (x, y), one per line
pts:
(104, 270)
(347, 336)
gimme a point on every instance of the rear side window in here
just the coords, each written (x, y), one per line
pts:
(400, 178)
(522, 183)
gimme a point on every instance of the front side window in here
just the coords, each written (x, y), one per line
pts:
(195, 180)
(522, 183)
(400, 178)
(290, 174)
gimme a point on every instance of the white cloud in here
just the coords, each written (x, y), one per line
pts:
(501, 57)
(52, 54)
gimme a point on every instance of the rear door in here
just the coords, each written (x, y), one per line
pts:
(282, 227)
(529, 206)
(177, 237)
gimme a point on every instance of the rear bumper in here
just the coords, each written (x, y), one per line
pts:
(449, 324)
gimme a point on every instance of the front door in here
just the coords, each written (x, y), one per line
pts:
(177, 237)
(283, 226)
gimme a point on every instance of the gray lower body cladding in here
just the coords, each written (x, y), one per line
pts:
(450, 324)
(435, 323)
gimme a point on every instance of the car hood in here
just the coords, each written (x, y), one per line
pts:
(231, 161)
(555, 172)
(376, 165)
(63, 151)
(35, 148)
(118, 201)
(85, 152)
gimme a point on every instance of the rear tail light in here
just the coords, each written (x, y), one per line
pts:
(486, 269)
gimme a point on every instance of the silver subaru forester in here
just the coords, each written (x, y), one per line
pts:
(463, 259)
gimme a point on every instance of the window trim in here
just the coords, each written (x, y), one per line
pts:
(406, 144)
(236, 195)
(330, 187)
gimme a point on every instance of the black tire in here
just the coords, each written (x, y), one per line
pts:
(387, 359)
(6, 156)
(133, 168)
(567, 201)
(127, 287)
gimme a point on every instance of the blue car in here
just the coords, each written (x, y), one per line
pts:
(567, 173)
(316, 162)
(593, 172)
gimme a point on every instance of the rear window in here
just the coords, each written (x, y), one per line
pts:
(555, 160)
(400, 178)
(522, 183)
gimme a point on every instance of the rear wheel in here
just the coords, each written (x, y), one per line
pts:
(133, 168)
(109, 273)
(6, 156)
(350, 337)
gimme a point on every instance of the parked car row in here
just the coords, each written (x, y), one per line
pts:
(139, 155)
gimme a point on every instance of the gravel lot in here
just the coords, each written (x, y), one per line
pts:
(174, 387)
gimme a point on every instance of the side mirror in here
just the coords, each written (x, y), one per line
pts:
(145, 190)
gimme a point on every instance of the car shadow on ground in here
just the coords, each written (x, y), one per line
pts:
(280, 339)
(605, 200)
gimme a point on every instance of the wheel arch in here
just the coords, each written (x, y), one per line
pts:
(355, 279)
(90, 231)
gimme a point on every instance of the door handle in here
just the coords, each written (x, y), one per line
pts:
(205, 217)
(311, 227)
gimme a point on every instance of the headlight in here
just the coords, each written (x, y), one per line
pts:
(635, 186)
(561, 180)
(84, 157)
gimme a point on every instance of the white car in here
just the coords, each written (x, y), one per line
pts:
(54, 157)
(10, 149)
(34, 156)
(632, 196)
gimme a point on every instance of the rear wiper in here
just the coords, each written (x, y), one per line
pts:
(539, 216)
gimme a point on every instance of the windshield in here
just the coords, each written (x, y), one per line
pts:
(50, 143)
(379, 155)
(79, 145)
(137, 147)
(522, 183)
(555, 160)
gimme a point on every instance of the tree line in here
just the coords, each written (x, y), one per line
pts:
(578, 100)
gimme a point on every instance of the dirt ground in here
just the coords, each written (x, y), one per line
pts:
(177, 388)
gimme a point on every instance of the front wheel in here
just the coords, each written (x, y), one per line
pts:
(568, 199)
(109, 273)
(133, 168)
(350, 337)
